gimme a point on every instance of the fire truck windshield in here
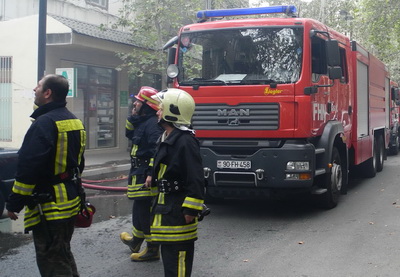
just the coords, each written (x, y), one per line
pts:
(240, 56)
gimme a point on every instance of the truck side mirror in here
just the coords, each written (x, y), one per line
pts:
(310, 90)
(171, 55)
(332, 52)
(170, 60)
(335, 72)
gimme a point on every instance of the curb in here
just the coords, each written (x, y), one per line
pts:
(104, 172)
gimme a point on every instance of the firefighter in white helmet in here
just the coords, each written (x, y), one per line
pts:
(178, 174)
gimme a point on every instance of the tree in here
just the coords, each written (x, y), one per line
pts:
(380, 32)
(152, 23)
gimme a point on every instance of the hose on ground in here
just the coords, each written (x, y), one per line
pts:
(100, 187)
(90, 184)
(105, 180)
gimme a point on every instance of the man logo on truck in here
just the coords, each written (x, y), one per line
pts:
(233, 112)
(234, 121)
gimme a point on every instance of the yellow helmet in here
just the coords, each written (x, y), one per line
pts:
(177, 105)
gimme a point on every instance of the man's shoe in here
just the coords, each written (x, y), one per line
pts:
(150, 253)
(133, 242)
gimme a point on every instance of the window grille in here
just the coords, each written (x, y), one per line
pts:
(5, 98)
(100, 3)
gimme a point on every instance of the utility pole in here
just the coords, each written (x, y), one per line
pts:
(42, 39)
(209, 5)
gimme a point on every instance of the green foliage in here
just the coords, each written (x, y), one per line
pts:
(152, 23)
(374, 24)
(380, 21)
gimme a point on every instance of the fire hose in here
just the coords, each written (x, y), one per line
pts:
(89, 184)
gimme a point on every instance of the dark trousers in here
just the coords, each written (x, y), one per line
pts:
(141, 215)
(53, 250)
(177, 259)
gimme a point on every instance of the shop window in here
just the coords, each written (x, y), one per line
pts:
(97, 86)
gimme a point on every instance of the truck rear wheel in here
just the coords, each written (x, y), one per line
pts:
(369, 167)
(380, 154)
(334, 182)
(2, 203)
(394, 149)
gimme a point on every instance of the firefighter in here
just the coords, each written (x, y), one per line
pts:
(178, 174)
(50, 159)
(143, 131)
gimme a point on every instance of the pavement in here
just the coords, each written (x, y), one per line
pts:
(103, 164)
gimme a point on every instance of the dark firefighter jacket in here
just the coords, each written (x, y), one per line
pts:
(177, 161)
(52, 148)
(144, 133)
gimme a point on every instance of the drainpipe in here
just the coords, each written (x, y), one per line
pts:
(42, 39)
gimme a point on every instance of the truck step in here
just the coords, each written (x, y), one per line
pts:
(320, 171)
(319, 151)
(318, 191)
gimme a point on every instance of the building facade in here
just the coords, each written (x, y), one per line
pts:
(78, 48)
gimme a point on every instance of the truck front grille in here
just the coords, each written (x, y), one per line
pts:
(248, 116)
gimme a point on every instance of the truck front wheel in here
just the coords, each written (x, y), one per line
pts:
(334, 182)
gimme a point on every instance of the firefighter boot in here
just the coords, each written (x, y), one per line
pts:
(134, 243)
(150, 253)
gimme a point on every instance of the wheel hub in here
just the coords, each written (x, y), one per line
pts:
(336, 176)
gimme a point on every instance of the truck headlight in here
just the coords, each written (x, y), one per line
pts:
(300, 165)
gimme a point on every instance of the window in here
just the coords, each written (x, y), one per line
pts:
(343, 65)
(5, 98)
(147, 79)
(100, 3)
(97, 90)
(241, 56)
(318, 58)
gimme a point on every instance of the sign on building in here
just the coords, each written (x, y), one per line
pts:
(69, 74)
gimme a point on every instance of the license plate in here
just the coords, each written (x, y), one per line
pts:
(234, 164)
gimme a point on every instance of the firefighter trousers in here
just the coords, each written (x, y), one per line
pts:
(53, 250)
(141, 217)
(177, 259)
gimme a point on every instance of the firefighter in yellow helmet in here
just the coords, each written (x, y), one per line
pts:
(142, 129)
(178, 174)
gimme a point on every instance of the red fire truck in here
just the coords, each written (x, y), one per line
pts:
(394, 142)
(282, 104)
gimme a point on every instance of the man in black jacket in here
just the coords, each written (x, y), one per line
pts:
(142, 129)
(50, 160)
(178, 174)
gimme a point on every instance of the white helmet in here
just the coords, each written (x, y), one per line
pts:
(177, 105)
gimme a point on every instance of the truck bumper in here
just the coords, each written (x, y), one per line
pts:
(268, 171)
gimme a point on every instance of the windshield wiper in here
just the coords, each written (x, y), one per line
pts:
(259, 82)
(201, 82)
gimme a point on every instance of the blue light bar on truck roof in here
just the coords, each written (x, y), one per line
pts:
(204, 15)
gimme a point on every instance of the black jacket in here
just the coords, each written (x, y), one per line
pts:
(53, 145)
(177, 160)
(144, 132)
